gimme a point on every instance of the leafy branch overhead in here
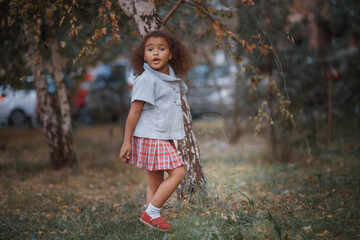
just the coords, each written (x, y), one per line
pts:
(232, 42)
(237, 43)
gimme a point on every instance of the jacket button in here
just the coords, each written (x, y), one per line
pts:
(178, 102)
(177, 90)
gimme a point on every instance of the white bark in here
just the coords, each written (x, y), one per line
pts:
(69, 153)
(143, 13)
(61, 90)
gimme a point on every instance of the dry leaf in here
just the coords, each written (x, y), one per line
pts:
(62, 20)
(36, 38)
(112, 16)
(248, 2)
(218, 32)
(107, 4)
(243, 42)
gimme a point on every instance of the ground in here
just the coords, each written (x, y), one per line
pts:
(247, 196)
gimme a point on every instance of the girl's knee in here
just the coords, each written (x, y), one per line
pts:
(181, 172)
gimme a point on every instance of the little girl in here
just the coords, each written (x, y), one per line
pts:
(155, 119)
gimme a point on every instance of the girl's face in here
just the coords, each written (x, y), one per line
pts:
(157, 54)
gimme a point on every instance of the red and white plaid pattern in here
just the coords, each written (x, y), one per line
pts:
(154, 154)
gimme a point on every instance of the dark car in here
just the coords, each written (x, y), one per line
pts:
(104, 95)
(210, 89)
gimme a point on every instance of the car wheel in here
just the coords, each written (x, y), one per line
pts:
(18, 119)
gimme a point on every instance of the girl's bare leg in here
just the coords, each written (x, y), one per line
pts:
(155, 178)
(167, 187)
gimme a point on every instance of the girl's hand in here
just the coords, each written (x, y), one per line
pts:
(125, 151)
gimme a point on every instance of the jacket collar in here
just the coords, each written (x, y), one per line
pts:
(170, 77)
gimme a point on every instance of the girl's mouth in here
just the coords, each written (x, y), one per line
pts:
(156, 60)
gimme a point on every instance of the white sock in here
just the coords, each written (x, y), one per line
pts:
(153, 212)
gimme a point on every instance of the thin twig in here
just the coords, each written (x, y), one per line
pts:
(179, 2)
(276, 57)
(201, 10)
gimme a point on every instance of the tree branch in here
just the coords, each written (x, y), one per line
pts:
(179, 2)
(201, 10)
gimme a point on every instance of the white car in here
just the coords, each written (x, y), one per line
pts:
(18, 107)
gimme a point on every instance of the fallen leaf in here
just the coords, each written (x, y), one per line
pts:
(308, 228)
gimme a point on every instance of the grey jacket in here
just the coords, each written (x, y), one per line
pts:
(161, 116)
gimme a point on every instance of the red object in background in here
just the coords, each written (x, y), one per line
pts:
(329, 75)
(1, 98)
(79, 97)
(87, 77)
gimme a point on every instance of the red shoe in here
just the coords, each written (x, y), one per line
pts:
(157, 223)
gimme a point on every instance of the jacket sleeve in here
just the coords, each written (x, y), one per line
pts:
(143, 90)
(183, 87)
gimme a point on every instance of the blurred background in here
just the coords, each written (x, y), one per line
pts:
(303, 52)
(274, 95)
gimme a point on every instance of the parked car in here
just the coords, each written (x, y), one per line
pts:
(210, 89)
(18, 107)
(104, 93)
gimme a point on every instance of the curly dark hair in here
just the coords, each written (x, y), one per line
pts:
(181, 60)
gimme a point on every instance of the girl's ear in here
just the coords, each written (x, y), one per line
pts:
(170, 56)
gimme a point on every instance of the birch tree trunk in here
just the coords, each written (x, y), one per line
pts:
(68, 154)
(47, 111)
(58, 137)
(69, 157)
(146, 18)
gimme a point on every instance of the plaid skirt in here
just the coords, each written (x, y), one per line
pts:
(154, 154)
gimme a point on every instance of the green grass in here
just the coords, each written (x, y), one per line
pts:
(246, 197)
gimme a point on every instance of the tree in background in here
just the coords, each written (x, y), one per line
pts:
(316, 42)
(41, 24)
(37, 23)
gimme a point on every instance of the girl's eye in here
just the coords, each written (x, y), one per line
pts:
(149, 49)
(162, 49)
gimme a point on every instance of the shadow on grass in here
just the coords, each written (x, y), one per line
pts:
(21, 169)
